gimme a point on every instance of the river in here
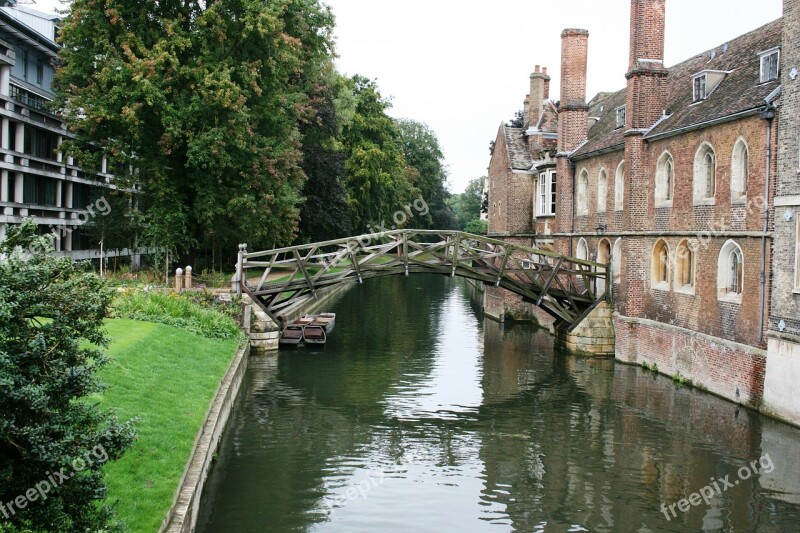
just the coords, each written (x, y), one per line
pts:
(421, 416)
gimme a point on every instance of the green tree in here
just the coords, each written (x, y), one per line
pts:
(53, 439)
(376, 176)
(467, 205)
(427, 173)
(477, 226)
(205, 99)
(325, 214)
(114, 223)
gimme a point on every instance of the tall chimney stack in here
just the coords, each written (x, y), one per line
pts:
(573, 122)
(540, 82)
(647, 94)
(546, 84)
(645, 102)
(573, 113)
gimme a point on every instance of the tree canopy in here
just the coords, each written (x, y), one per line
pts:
(231, 121)
(205, 100)
(467, 206)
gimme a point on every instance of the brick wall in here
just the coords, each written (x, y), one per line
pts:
(499, 168)
(706, 228)
(712, 364)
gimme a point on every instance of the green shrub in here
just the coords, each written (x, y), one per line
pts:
(193, 311)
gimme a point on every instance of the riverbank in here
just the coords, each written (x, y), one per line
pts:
(167, 378)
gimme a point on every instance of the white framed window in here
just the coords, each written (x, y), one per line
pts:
(616, 260)
(769, 60)
(620, 113)
(619, 187)
(705, 175)
(730, 272)
(699, 87)
(582, 251)
(583, 193)
(602, 191)
(740, 171)
(685, 267)
(660, 267)
(665, 180)
(603, 257)
(546, 194)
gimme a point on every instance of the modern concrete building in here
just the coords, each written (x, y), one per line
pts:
(36, 179)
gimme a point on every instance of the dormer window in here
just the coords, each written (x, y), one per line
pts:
(620, 116)
(699, 87)
(704, 83)
(769, 64)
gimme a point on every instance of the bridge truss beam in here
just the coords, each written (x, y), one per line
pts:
(565, 287)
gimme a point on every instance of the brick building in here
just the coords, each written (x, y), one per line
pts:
(783, 354)
(671, 179)
(520, 210)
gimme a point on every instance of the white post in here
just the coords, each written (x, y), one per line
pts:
(178, 279)
(101, 259)
(240, 268)
(188, 278)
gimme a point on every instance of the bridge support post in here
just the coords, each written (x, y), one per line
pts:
(593, 335)
(263, 332)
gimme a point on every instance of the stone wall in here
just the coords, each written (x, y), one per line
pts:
(593, 336)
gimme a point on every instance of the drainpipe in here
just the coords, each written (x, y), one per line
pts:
(768, 114)
(572, 167)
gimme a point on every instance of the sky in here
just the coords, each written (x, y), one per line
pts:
(462, 67)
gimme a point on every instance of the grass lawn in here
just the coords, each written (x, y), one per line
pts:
(167, 377)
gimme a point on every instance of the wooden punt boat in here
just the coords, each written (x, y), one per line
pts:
(326, 320)
(314, 335)
(292, 335)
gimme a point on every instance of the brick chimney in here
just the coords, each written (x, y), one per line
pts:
(573, 121)
(647, 95)
(546, 83)
(540, 86)
(573, 113)
(646, 100)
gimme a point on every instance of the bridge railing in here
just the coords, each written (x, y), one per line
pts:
(280, 278)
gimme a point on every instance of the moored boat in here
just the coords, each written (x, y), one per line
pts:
(326, 320)
(292, 335)
(314, 335)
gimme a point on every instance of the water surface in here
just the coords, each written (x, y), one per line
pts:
(421, 416)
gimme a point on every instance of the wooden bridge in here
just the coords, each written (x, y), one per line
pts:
(567, 288)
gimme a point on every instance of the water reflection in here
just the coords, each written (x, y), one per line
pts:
(420, 416)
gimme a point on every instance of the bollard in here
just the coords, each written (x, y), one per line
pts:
(188, 278)
(240, 268)
(178, 279)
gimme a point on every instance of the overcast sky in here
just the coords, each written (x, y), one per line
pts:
(462, 67)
